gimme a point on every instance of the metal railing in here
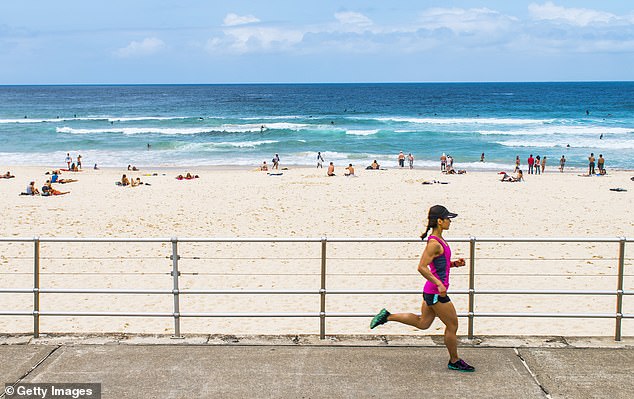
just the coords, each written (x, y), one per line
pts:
(619, 293)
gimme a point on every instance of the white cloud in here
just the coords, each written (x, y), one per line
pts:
(548, 28)
(462, 20)
(353, 18)
(148, 46)
(254, 39)
(573, 16)
(234, 19)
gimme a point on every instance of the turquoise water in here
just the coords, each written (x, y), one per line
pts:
(246, 124)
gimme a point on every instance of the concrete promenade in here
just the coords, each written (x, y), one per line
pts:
(338, 367)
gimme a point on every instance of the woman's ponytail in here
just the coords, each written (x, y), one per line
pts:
(422, 236)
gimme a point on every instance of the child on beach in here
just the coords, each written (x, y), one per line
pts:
(434, 265)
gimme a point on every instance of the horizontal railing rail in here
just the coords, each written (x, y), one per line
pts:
(619, 293)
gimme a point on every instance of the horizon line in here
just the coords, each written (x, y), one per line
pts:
(315, 83)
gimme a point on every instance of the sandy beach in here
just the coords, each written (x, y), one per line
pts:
(304, 202)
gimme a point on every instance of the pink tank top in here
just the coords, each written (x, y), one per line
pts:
(439, 267)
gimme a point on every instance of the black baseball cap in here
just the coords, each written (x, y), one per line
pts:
(440, 212)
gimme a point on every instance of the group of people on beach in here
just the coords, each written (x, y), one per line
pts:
(72, 166)
(47, 189)
(600, 164)
(446, 165)
(401, 160)
(275, 163)
(536, 165)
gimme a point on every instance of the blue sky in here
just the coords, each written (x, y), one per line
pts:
(196, 41)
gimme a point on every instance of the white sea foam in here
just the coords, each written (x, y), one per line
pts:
(362, 132)
(463, 121)
(252, 128)
(97, 118)
(45, 120)
(137, 130)
(145, 118)
(552, 130)
(273, 117)
(576, 143)
(242, 144)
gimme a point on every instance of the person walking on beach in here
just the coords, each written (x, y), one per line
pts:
(562, 163)
(276, 161)
(320, 160)
(537, 165)
(591, 164)
(531, 162)
(434, 265)
(401, 159)
(517, 163)
(410, 160)
(443, 162)
(601, 164)
(68, 160)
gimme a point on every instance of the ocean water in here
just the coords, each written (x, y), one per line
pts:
(189, 125)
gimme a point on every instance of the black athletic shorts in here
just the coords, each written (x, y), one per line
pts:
(432, 299)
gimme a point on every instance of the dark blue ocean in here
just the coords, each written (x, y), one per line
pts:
(247, 124)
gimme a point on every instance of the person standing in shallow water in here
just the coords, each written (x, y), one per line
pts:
(435, 264)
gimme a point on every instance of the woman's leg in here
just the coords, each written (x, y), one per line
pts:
(422, 321)
(446, 312)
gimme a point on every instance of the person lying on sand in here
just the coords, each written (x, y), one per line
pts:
(55, 179)
(451, 171)
(7, 175)
(47, 189)
(136, 182)
(188, 176)
(519, 176)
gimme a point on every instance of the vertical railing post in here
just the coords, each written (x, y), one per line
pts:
(175, 275)
(36, 287)
(322, 291)
(619, 290)
(472, 242)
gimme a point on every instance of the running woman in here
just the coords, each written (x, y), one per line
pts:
(435, 264)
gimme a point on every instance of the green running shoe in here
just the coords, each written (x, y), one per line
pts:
(380, 318)
(460, 365)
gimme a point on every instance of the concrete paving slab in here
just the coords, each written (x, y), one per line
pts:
(17, 360)
(312, 339)
(15, 339)
(583, 373)
(127, 371)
